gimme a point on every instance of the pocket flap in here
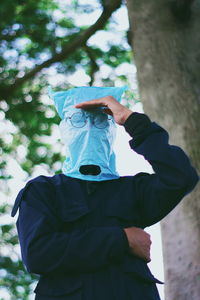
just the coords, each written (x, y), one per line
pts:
(73, 213)
(70, 201)
(58, 285)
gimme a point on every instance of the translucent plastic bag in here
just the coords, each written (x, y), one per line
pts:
(88, 136)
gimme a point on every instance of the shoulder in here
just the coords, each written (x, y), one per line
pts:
(43, 181)
(131, 182)
(137, 181)
(38, 189)
(134, 178)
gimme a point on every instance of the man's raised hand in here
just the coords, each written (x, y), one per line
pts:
(119, 112)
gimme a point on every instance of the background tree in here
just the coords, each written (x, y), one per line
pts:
(166, 43)
(37, 39)
(35, 36)
(40, 38)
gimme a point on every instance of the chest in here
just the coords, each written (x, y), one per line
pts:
(108, 204)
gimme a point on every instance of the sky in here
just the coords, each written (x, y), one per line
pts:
(128, 162)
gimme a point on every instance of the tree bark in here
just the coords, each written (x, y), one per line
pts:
(166, 46)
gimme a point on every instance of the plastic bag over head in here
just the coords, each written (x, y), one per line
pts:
(87, 135)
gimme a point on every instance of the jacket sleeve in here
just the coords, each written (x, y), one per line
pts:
(174, 176)
(45, 249)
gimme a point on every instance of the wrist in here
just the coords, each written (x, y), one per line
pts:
(127, 112)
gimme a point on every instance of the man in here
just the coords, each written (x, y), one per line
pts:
(82, 230)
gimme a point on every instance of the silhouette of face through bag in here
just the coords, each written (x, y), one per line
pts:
(88, 135)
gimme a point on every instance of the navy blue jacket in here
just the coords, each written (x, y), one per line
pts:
(71, 231)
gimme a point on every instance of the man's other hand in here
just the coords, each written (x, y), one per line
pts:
(119, 112)
(139, 242)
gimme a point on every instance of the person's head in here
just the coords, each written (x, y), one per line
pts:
(87, 134)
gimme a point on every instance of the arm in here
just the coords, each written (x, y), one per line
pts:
(174, 176)
(46, 249)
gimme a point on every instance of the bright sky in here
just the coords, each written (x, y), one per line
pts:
(128, 162)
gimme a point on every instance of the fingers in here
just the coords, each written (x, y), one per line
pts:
(141, 253)
(147, 259)
(145, 254)
(108, 111)
(139, 242)
(111, 106)
(92, 103)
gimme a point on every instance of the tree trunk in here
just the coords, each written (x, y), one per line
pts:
(166, 44)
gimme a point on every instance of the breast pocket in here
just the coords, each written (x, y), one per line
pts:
(73, 219)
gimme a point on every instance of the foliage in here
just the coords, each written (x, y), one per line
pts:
(33, 35)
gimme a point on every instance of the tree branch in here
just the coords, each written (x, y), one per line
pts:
(93, 65)
(77, 42)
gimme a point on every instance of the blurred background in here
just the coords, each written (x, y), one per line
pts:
(63, 44)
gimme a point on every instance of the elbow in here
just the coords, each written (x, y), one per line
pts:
(192, 181)
(38, 261)
(34, 264)
(183, 183)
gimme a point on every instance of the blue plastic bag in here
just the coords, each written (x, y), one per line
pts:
(87, 135)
